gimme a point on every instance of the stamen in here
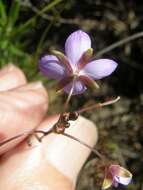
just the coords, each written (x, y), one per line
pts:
(85, 58)
(63, 60)
(89, 81)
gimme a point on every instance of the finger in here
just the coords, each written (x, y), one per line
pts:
(22, 110)
(11, 77)
(52, 164)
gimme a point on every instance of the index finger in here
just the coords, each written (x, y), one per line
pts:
(22, 106)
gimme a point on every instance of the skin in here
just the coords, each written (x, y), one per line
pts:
(53, 164)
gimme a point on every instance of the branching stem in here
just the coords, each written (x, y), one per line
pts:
(98, 105)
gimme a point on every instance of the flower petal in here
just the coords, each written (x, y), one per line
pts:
(120, 174)
(78, 87)
(76, 44)
(100, 68)
(124, 176)
(107, 183)
(123, 180)
(50, 67)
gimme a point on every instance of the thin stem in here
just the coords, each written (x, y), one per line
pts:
(119, 43)
(45, 133)
(110, 102)
(98, 105)
(27, 133)
(42, 40)
(68, 100)
(69, 97)
(100, 156)
(31, 20)
(10, 139)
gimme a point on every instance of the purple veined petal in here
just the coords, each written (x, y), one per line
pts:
(76, 44)
(50, 67)
(78, 87)
(100, 68)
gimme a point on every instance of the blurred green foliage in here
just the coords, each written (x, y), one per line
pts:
(11, 48)
(14, 35)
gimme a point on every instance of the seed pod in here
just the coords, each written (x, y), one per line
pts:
(67, 125)
(73, 116)
(59, 128)
(65, 117)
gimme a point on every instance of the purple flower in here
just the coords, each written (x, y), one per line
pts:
(116, 175)
(75, 69)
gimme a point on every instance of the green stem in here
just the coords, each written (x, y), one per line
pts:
(41, 41)
(30, 21)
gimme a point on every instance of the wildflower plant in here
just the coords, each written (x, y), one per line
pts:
(75, 71)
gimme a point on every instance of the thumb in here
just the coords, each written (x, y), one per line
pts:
(53, 164)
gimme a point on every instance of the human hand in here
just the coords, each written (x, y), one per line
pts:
(52, 164)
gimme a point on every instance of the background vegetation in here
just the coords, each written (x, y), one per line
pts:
(30, 28)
